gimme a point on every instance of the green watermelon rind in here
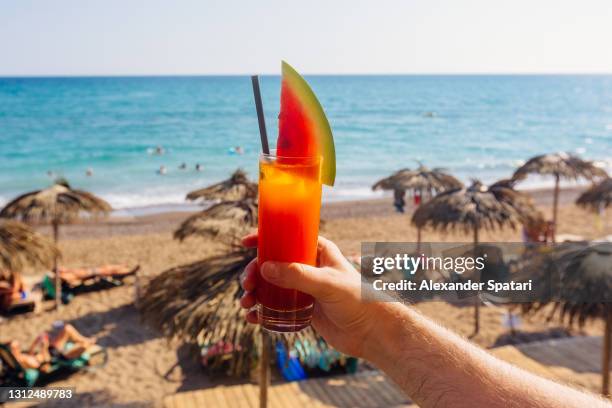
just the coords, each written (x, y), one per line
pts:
(315, 111)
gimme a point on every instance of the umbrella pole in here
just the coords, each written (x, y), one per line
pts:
(477, 297)
(264, 369)
(605, 366)
(58, 281)
(555, 208)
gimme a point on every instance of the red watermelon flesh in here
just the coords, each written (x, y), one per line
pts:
(303, 127)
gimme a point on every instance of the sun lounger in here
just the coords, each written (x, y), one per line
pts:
(89, 284)
(13, 374)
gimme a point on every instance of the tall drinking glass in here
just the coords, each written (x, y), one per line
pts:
(289, 209)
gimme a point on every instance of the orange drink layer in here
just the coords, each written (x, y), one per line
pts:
(289, 209)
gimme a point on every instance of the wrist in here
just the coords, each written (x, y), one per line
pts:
(389, 320)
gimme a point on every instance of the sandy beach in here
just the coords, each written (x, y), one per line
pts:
(143, 367)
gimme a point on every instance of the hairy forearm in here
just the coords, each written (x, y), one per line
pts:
(437, 368)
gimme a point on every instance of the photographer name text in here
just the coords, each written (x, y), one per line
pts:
(467, 286)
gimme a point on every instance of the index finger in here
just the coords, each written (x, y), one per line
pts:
(328, 253)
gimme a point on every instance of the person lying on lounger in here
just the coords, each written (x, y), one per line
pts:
(52, 345)
(14, 290)
(74, 276)
(11, 290)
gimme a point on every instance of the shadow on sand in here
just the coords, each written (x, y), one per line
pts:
(122, 326)
(92, 399)
(188, 371)
(521, 337)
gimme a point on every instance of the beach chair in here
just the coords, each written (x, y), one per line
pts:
(13, 374)
(89, 284)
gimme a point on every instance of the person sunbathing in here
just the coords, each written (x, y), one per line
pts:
(48, 346)
(14, 290)
(11, 290)
(74, 276)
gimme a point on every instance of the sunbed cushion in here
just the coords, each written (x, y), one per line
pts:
(48, 287)
(30, 376)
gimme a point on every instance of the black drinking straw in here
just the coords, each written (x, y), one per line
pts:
(260, 115)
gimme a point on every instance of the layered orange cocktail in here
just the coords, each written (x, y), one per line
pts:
(289, 208)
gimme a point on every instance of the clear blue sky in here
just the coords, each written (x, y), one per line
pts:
(98, 37)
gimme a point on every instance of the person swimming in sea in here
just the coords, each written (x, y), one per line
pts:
(156, 151)
(199, 167)
(89, 172)
(162, 170)
(236, 150)
(183, 166)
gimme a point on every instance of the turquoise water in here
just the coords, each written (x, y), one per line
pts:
(480, 126)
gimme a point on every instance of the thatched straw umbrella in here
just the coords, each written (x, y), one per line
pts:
(419, 181)
(504, 191)
(20, 245)
(559, 165)
(597, 197)
(431, 181)
(203, 298)
(236, 188)
(471, 210)
(422, 180)
(226, 220)
(390, 182)
(584, 273)
(58, 204)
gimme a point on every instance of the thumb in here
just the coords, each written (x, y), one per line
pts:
(305, 278)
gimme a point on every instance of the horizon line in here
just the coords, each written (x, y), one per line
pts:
(158, 75)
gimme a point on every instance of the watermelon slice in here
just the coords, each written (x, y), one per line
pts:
(303, 127)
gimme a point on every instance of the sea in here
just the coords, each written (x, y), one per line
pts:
(475, 126)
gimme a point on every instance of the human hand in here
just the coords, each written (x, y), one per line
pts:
(339, 315)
